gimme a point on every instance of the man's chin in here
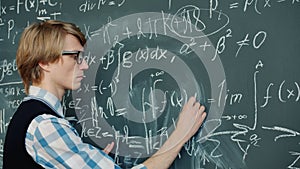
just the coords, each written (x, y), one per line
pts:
(76, 86)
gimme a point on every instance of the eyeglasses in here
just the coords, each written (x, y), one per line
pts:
(78, 55)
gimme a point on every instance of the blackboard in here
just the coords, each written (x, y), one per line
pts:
(240, 58)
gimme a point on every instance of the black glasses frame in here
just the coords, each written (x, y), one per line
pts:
(78, 55)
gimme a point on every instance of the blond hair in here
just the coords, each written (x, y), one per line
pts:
(42, 42)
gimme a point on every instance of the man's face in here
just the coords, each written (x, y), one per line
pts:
(67, 73)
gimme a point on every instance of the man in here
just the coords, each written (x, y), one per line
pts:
(50, 61)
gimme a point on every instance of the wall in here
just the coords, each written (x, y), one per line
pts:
(240, 58)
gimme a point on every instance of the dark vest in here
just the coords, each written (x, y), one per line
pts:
(15, 154)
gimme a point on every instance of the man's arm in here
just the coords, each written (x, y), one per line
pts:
(190, 119)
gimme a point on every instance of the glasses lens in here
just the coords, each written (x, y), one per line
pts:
(80, 57)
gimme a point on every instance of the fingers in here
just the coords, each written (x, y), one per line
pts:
(194, 111)
(200, 110)
(201, 116)
(109, 147)
(199, 113)
(190, 119)
(194, 105)
(191, 101)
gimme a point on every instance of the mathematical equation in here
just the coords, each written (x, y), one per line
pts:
(145, 65)
(43, 9)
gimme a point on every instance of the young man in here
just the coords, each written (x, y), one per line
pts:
(49, 60)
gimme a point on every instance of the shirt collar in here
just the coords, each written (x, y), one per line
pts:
(47, 98)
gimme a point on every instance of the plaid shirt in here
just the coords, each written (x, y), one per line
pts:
(54, 143)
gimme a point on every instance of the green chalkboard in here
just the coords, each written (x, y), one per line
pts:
(240, 59)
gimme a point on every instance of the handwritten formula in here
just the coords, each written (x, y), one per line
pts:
(239, 58)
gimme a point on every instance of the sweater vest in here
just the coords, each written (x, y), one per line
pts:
(15, 154)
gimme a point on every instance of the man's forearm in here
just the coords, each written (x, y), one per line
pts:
(165, 156)
(190, 119)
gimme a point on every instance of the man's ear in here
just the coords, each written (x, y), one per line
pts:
(45, 66)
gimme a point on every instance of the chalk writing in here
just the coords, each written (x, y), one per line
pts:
(239, 58)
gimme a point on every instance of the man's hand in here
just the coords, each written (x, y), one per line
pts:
(190, 120)
(109, 147)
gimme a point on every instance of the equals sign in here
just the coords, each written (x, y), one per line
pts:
(12, 8)
(94, 88)
(210, 100)
(233, 5)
